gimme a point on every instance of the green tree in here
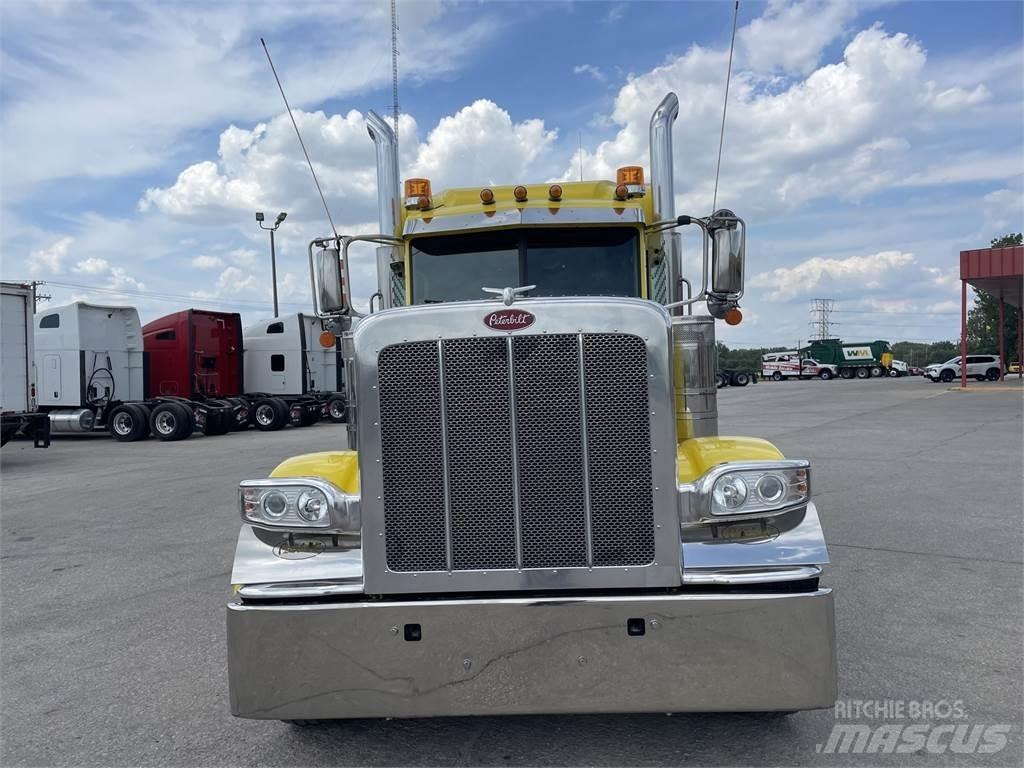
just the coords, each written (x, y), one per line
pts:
(983, 318)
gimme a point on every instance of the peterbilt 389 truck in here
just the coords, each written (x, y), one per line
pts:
(535, 511)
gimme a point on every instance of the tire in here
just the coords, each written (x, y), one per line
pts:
(721, 380)
(127, 423)
(876, 370)
(894, 374)
(740, 379)
(946, 376)
(337, 409)
(863, 373)
(992, 374)
(846, 373)
(776, 375)
(171, 421)
(825, 374)
(267, 415)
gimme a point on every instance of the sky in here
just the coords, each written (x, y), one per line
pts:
(866, 143)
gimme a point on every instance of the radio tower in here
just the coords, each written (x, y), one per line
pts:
(821, 323)
(394, 69)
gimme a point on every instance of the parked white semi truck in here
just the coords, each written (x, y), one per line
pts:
(18, 389)
(292, 355)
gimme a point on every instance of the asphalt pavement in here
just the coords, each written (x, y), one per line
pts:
(115, 559)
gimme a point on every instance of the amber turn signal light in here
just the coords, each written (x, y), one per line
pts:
(555, 192)
(519, 193)
(327, 339)
(733, 316)
(486, 195)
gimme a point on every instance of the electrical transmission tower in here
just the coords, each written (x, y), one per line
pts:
(821, 323)
(394, 67)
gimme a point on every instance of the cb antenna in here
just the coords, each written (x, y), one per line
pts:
(394, 70)
(725, 106)
(297, 133)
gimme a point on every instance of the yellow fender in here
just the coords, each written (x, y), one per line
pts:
(697, 455)
(338, 467)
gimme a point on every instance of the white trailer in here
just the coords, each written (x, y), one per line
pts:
(287, 357)
(17, 367)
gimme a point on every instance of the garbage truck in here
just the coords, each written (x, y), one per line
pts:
(534, 510)
(852, 359)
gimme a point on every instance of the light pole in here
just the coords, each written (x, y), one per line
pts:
(273, 256)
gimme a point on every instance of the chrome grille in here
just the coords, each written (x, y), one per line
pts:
(516, 452)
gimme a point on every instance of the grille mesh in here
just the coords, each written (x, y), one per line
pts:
(619, 443)
(479, 453)
(544, 405)
(550, 451)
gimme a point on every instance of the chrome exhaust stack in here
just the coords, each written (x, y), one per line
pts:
(663, 191)
(388, 197)
(694, 365)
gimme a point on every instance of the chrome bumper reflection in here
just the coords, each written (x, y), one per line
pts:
(648, 653)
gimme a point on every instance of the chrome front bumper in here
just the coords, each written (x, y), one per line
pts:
(425, 658)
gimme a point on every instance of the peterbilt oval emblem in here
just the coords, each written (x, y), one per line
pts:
(509, 320)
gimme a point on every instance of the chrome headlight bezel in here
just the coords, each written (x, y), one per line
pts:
(794, 475)
(343, 513)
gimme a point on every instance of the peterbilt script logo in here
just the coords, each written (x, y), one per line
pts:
(509, 320)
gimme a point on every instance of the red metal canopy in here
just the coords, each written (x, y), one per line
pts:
(999, 272)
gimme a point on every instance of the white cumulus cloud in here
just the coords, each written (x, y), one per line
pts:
(864, 272)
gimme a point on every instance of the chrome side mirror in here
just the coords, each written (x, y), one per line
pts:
(329, 286)
(728, 243)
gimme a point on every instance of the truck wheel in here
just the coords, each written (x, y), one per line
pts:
(992, 374)
(740, 379)
(267, 416)
(946, 376)
(337, 410)
(825, 374)
(863, 373)
(776, 375)
(127, 424)
(171, 421)
(876, 371)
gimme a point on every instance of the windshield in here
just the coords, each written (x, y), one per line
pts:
(560, 262)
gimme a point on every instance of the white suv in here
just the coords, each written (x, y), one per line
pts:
(979, 367)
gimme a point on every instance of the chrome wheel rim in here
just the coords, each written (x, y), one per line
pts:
(265, 415)
(336, 410)
(165, 422)
(123, 423)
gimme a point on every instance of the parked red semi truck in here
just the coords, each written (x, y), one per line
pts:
(198, 354)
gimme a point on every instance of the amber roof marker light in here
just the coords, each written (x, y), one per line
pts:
(632, 178)
(416, 190)
(486, 195)
(520, 194)
(555, 192)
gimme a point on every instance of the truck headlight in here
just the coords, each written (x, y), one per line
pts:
(300, 503)
(753, 488)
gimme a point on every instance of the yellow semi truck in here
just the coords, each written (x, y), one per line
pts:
(534, 511)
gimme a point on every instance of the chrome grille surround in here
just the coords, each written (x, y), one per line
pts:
(445, 525)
